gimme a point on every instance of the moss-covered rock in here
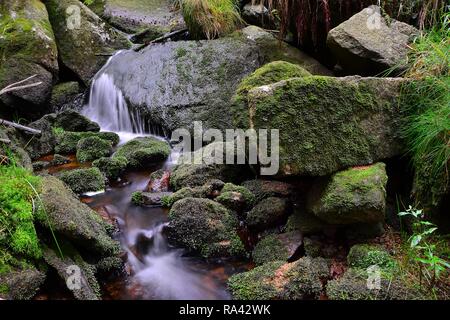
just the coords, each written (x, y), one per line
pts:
(356, 195)
(143, 152)
(15, 148)
(27, 48)
(67, 141)
(21, 284)
(43, 144)
(353, 286)
(84, 180)
(70, 120)
(363, 256)
(305, 222)
(76, 221)
(59, 160)
(82, 46)
(112, 168)
(140, 198)
(63, 94)
(280, 280)
(277, 247)
(267, 213)
(205, 226)
(268, 188)
(237, 198)
(328, 124)
(93, 148)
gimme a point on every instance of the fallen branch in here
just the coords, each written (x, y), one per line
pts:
(17, 85)
(5, 141)
(160, 39)
(20, 127)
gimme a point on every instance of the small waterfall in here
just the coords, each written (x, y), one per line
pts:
(108, 108)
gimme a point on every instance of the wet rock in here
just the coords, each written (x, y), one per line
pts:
(59, 160)
(267, 213)
(71, 120)
(159, 181)
(75, 220)
(179, 82)
(259, 15)
(27, 48)
(305, 222)
(83, 180)
(66, 142)
(266, 188)
(83, 47)
(159, 16)
(111, 168)
(21, 284)
(205, 226)
(143, 152)
(356, 195)
(203, 167)
(40, 165)
(237, 198)
(280, 280)
(362, 115)
(65, 266)
(369, 43)
(140, 198)
(63, 94)
(93, 148)
(277, 247)
(44, 144)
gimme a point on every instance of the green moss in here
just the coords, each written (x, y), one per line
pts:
(363, 256)
(112, 168)
(67, 141)
(84, 180)
(92, 148)
(248, 197)
(17, 211)
(143, 152)
(267, 213)
(269, 249)
(137, 198)
(251, 285)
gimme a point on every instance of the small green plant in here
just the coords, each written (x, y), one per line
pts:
(57, 131)
(137, 198)
(88, 2)
(423, 249)
(166, 201)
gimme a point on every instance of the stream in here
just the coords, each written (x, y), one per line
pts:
(156, 269)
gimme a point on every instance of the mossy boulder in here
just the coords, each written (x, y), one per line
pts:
(112, 168)
(16, 148)
(66, 141)
(59, 160)
(21, 284)
(267, 213)
(63, 94)
(27, 48)
(328, 124)
(280, 280)
(140, 198)
(356, 195)
(277, 247)
(70, 120)
(268, 188)
(187, 192)
(206, 164)
(93, 148)
(143, 152)
(353, 286)
(307, 223)
(205, 226)
(82, 45)
(363, 256)
(83, 180)
(237, 198)
(75, 220)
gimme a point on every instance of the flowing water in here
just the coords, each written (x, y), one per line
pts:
(157, 270)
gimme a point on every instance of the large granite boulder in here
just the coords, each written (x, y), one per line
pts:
(328, 124)
(84, 40)
(177, 83)
(369, 43)
(27, 48)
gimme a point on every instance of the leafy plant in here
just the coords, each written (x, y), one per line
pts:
(423, 249)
